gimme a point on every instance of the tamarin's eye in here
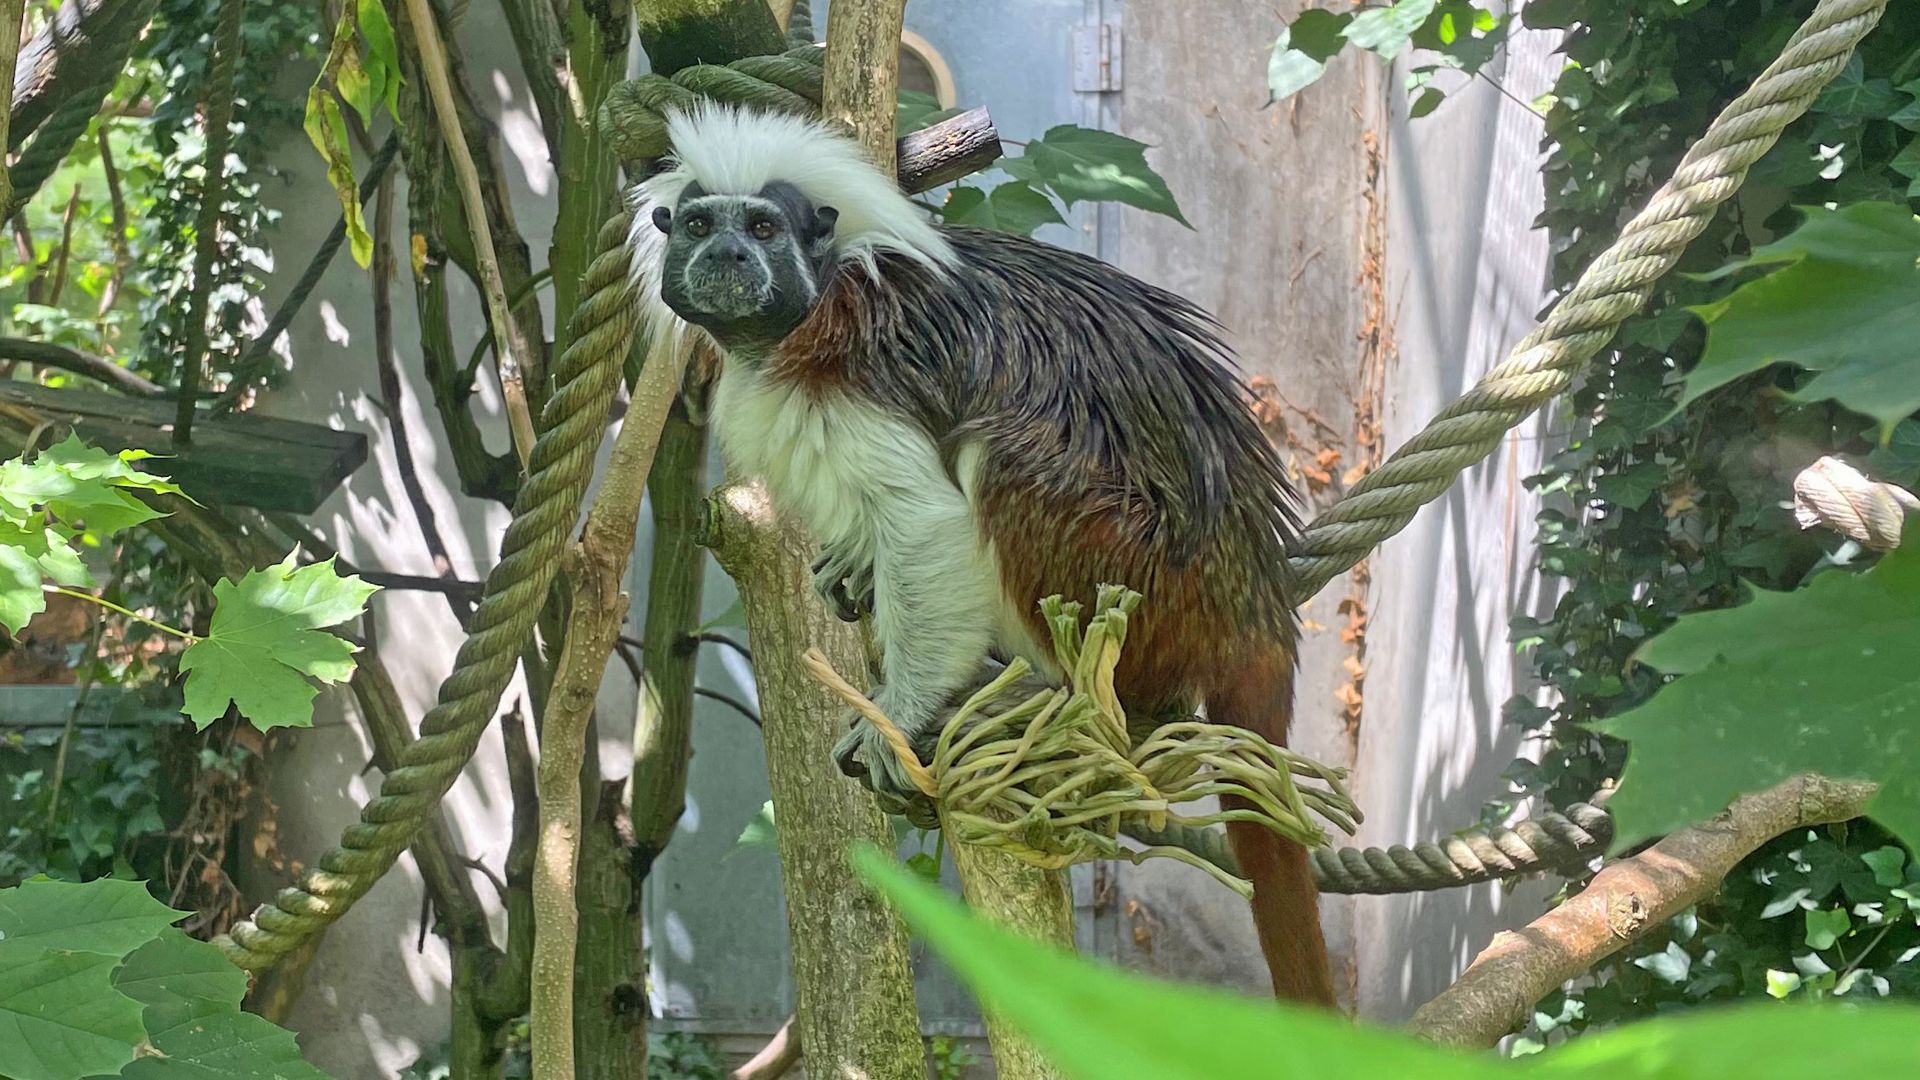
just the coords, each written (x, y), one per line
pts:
(698, 227)
(763, 229)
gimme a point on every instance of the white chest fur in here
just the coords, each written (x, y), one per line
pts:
(846, 469)
(870, 485)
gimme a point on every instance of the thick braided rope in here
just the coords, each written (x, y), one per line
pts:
(52, 141)
(634, 114)
(544, 513)
(1552, 841)
(1580, 324)
(800, 24)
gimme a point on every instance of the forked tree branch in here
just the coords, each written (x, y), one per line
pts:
(1623, 902)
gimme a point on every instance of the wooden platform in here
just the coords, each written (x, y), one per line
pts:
(241, 459)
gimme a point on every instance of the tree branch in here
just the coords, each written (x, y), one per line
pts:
(512, 360)
(387, 364)
(1624, 901)
(98, 368)
(216, 109)
(596, 570)
(11, 14)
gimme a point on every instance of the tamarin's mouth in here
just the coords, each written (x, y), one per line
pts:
(728, 293)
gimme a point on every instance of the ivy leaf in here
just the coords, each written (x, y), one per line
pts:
(1083, 165)
(1631, 488)
(265, 640)
(104, 916)
(1012, 207)
(1300, 55)
(1781, 983)
(1843, 306)
(1669, 966)
(1387, 30)
(1887, 863)
(60, 1016)
(1818, 680)
(1907, 161)
(1826, 927)
(1852, 94)
(194, 1022)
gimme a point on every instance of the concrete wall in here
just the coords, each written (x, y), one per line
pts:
(1466, 274)
(1281, 251)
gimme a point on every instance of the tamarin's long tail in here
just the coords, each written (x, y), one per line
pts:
(1286, 906)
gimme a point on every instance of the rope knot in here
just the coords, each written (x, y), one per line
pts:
(1051, 774)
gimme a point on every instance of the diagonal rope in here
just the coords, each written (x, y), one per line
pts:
(543, 516)
(1581, 323)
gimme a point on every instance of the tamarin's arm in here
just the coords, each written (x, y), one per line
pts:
(937, 605)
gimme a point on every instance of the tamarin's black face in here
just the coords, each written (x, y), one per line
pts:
(745, 268)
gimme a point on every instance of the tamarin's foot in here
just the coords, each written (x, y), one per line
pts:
(844, 584)
(864, 754)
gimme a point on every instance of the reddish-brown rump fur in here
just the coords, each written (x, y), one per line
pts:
(1181, 648)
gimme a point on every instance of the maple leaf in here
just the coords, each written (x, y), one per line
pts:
(79, 483)
(265, 644)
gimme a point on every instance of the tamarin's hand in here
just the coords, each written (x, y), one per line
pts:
(845, 584)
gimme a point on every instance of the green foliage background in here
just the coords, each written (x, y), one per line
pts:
(1662, 514)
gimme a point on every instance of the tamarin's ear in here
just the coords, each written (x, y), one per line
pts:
(820, 234)
(663, 219)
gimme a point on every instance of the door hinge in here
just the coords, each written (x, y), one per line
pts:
(1096, 57)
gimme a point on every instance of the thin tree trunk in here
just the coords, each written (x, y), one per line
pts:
(1023, 898)
(663, 731)
(11, 14)
(596, 571)
(851, 968)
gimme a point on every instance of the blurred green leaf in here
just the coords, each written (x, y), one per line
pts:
(1386, 30)
(1300, 55)
(761, 832)
(1842, 306)
(1818, 680)
(1098, 1022)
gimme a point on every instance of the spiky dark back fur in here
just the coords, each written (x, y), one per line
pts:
(1105, 393)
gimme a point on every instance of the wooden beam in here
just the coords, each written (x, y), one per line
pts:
(243, 459)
